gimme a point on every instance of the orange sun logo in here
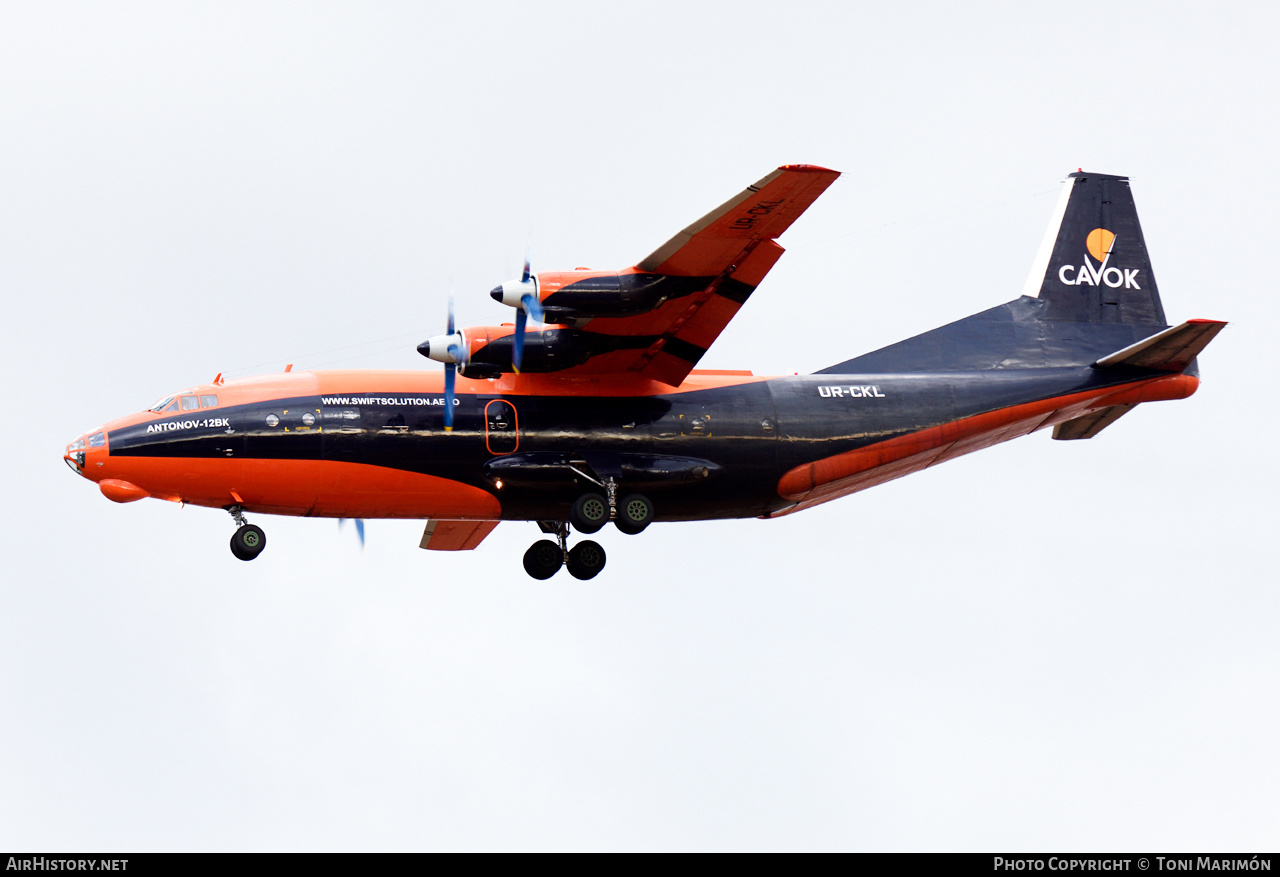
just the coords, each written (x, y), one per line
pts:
(1099, 243)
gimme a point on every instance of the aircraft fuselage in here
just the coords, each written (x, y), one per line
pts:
(725, 445)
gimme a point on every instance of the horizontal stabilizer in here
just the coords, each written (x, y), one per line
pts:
(1170, 350)
(455, 535)
(1091, 424)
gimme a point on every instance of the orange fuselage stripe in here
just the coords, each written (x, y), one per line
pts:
(321, 488)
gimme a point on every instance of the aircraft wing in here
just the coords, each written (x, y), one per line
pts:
(714, 264)
(455, 535)
(761, 212)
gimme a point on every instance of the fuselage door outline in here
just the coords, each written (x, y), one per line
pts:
(501, 427)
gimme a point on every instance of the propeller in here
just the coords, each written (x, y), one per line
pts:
(450, 349)
(359, 528)
(523, 296)
(530, 306)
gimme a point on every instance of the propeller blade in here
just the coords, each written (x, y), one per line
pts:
(342, 522)
(532, 305)
(449, 369)
(458, 352)
(517, 354)
(524, 277)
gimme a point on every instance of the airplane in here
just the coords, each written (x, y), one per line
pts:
(599, 415)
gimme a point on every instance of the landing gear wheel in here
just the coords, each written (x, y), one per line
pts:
(248, 541)
(543, 559)
(635, 512)
(586, 559)
(590, 513)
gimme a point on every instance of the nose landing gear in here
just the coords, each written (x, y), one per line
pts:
(248, 540)
(544, 557)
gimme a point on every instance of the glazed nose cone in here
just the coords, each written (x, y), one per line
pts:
(73, 456)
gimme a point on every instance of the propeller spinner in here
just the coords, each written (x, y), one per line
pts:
(453, 350)
(522, 295)
(450, 349)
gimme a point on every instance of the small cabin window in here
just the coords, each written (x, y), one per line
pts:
(189, 403)
(208, 401)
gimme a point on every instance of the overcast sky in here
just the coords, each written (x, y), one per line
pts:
(1047, 645)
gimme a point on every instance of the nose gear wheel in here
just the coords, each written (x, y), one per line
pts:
(248, 541)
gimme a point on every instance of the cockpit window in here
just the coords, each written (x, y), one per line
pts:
(172, 406)
(97, 440)
(77, 445)
(208, 401)
(162, 404)
(189, 403)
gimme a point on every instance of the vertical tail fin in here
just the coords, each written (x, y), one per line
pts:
(1090, 295)
(1093, 265)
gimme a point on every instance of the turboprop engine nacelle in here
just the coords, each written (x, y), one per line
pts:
(567, 296)
(457, 348)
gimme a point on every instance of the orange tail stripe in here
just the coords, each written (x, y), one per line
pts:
(826, 477)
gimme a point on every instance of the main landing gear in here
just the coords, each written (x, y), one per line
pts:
(544, 557)
(248, 540)
(590, 512)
